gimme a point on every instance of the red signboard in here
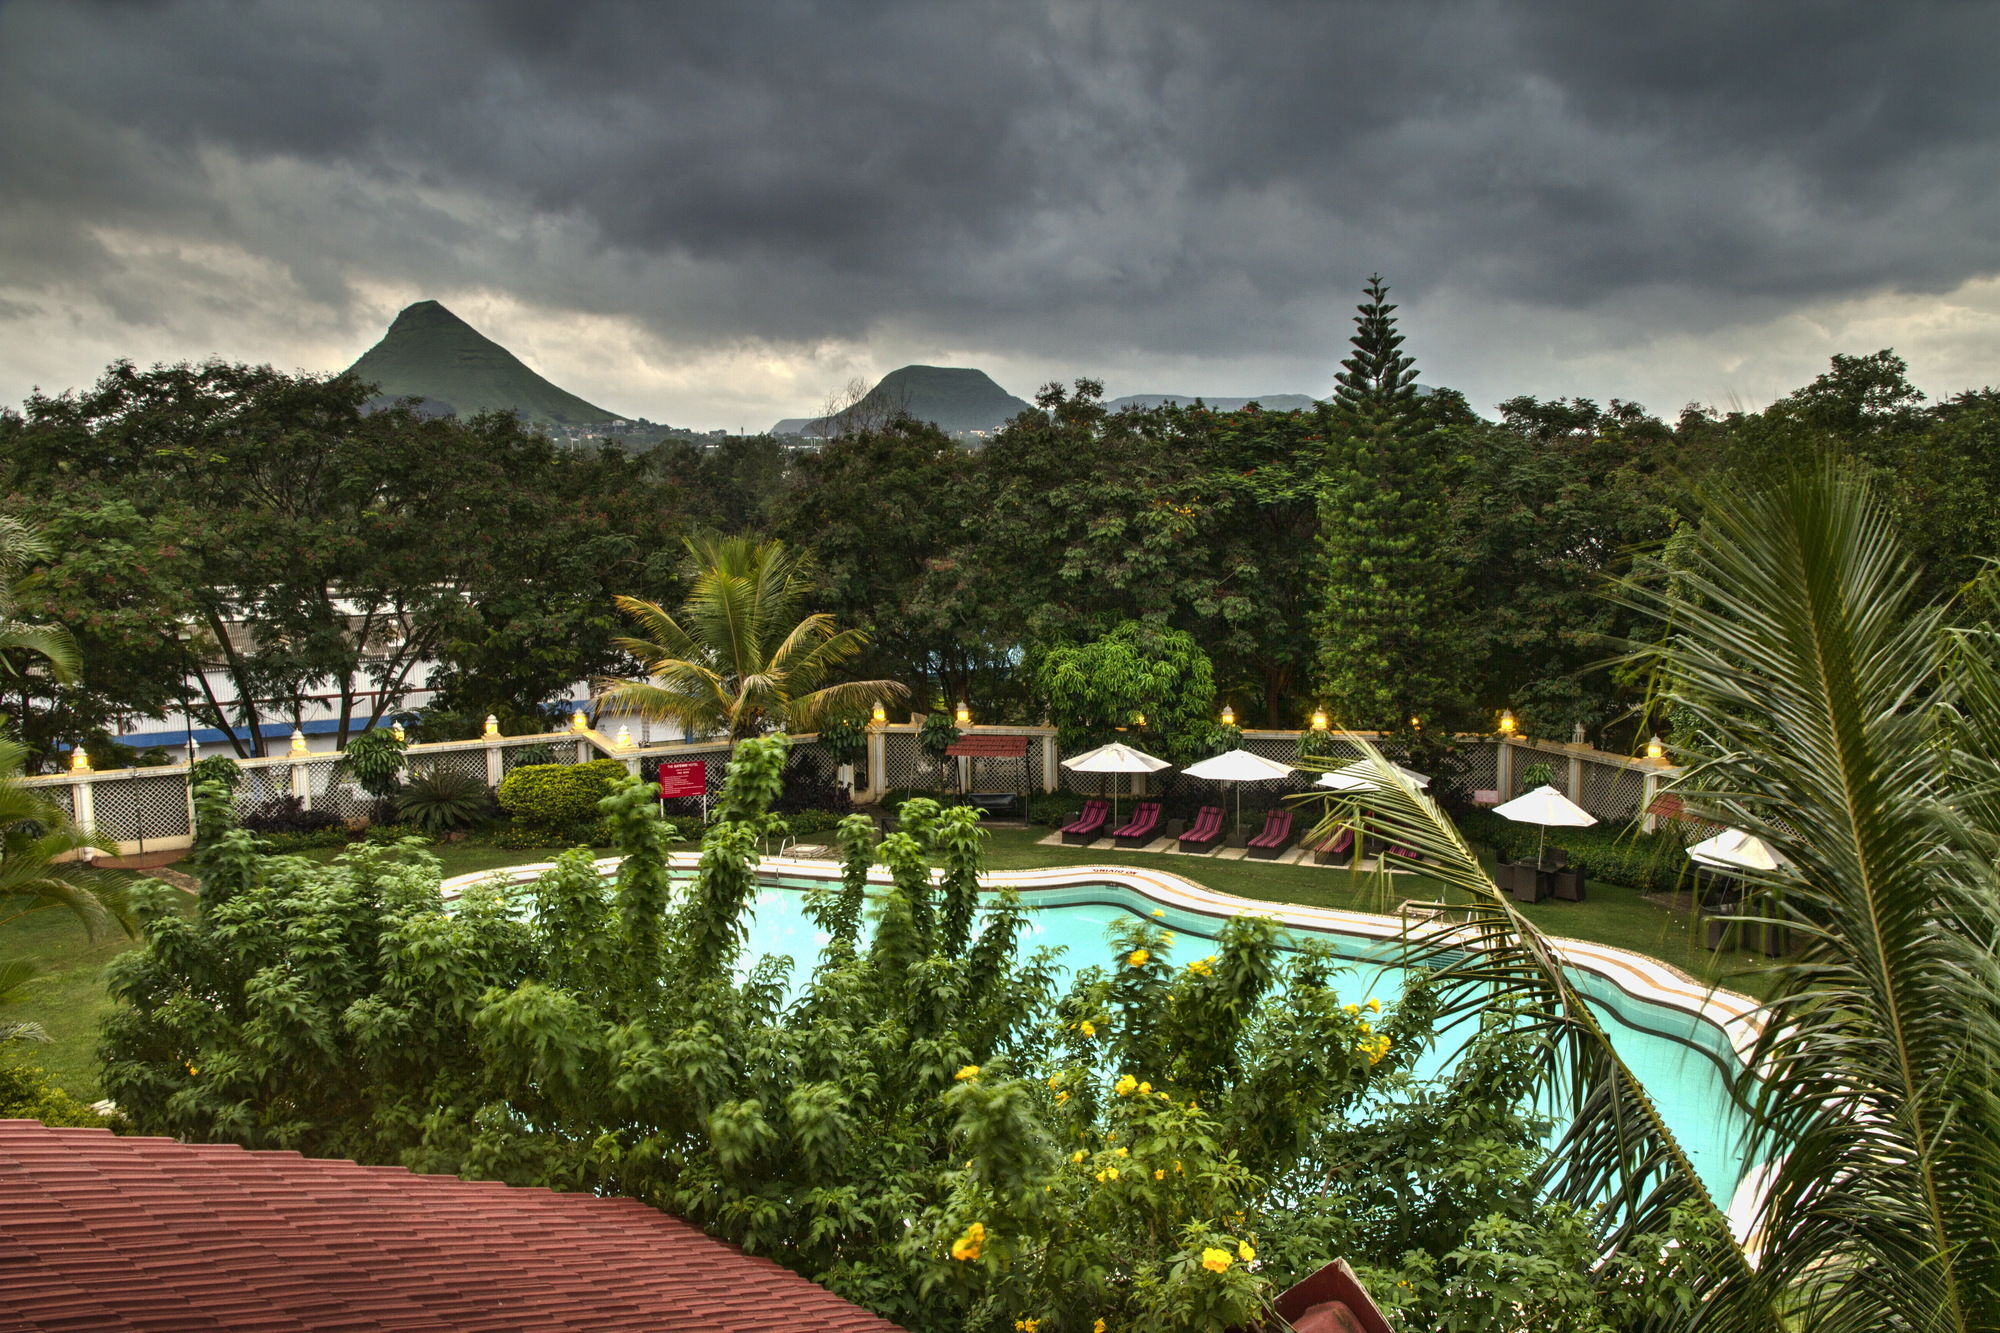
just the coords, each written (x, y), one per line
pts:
(683, 779)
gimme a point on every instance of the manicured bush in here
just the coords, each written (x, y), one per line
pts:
(555, 804)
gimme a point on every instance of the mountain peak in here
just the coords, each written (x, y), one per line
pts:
(959, 399)
(432, 354)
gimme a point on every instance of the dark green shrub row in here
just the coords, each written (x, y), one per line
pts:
(280, 843)
(556, 804)
(1055, 808)
(1615, 853)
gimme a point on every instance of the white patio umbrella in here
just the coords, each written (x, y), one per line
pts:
(1733, 849)
(1549, 808)
(1114, 758)
(1238, 766)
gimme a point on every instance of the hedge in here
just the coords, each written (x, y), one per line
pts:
(1615, 853)
(558, 802)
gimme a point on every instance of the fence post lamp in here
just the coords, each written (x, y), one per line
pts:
(1319, 722)
(1508, 725)
(1228, 716)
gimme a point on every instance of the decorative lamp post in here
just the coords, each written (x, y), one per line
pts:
(1319, 721)
(1228, 716)
(578, 722)
(79, 760)
(299, 749)
(1656, 750)
(1416, 724)
(1508, 725)
(397, 731)
(878, 715)
(492, 732)
(624, 741)
(962, 715)
(1138, 719)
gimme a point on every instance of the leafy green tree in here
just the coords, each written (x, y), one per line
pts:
(1096, 690)
(920, 1118)
(883, 511)
(1391, 644)
(738, 661)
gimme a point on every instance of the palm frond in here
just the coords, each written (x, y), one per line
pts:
(1834, 726)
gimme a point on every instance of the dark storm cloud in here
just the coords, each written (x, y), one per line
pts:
(1178, 179)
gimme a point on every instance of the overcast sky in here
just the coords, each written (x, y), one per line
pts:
(719, 214)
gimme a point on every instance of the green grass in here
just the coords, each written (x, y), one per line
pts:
(66, 997)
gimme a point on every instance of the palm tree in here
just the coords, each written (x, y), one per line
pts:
(1846, 725)
(736, 660)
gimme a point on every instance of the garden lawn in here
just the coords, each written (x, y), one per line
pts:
(66, 996)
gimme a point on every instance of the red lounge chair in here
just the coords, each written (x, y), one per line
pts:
(1277, 836)
(1088, 826)
(1206, 834)
(1326, 853)
(1145, 826)
(1397, 849)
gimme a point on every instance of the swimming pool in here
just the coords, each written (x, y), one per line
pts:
(1683, 1042)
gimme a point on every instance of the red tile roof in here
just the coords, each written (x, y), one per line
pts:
(990, 747)
(99, 1232)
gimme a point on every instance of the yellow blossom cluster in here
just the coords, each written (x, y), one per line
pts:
(966, 1074)
(1216, 1261)
(1026, 1325)
(969, 1244)
(1125, 1086)
(1087, 1028)
(1203, 967)
(1137, 958)
(1375, 1048)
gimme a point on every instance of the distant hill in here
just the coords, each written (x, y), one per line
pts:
(1274, 402)
(432, 354)
(958, 400)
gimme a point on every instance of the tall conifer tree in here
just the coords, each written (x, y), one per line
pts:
(1388, 638)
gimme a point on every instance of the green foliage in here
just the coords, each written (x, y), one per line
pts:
(1391, 643)
(845, 739)
(375, 758)
(737, 660)
(27, 1094)
(1541, 773)
(450, 800)
(921, 1120)
(1097, 690)
(557, 802)
(280, 843)
(1619, 855)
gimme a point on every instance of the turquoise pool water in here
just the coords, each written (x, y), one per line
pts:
(1684, 1061)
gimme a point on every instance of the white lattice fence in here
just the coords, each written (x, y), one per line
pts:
(1612, 791)
(334, 793)
(142, 809)
(62, 796)
(1476, 767)
(471, 763)
(258, 788)
(538, 751)
(906, 764)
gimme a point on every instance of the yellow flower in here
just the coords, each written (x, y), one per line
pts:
(1061, 1097)
(1121, 1152)
(1108, 1173)
(1076, 1156)
(1087, 1028)
(1350, 1008)
(968, 1245)
(1178, 1169)
(1145, 1089)
(1216, 1261)
(1097, 1327)
(1027, 1325)
(1244, 1252)
(1203, 967)
(1374, 1005)
(968, 1072)
(1055, 1080)
(1137, 958)
(1160, 1175)
(1157, 911)
(1125, 1084)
